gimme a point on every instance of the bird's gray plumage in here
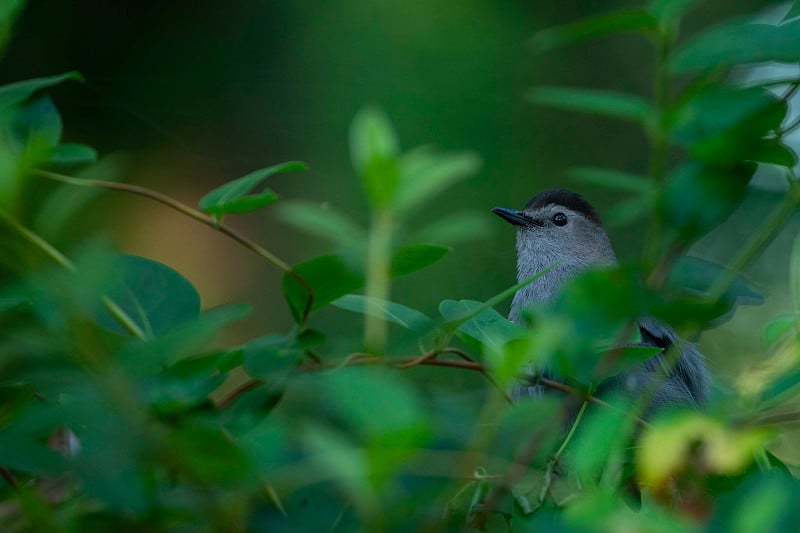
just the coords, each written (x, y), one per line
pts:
(578, 244)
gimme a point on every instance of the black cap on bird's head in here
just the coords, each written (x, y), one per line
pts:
(556, 197)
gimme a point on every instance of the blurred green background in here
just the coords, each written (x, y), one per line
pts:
(196, 93)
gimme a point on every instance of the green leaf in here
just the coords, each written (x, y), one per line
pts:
(154, 296)
(72, 154)
(184, 386)
(793, 13)
(330, 279)
(698, 197)
(637, 20)
(373, 151)
(736, 42)
(215, 458)
(612, 179)
(35, 127)
(424, 174)
(697, 275)
(233, 197)
(669, 12)
(776, 391)
(774, 153)
(490, 329)
(409, 259)
(389, 311)
(779, 327)
(20, 91)
(593, 101)
(272, 357)
(323, 222)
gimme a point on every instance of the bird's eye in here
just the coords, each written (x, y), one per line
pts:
(559, 219)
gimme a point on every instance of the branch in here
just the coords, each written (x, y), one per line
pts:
(197, 215)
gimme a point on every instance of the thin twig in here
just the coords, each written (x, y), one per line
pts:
(195, 214)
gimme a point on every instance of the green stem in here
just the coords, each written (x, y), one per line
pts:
(575, 424)
(378, 286)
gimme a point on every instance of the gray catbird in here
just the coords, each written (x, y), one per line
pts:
(558, 226)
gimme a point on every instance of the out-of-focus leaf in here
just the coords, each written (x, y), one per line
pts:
(535, 350)
(793, 12)
(373, 150)
(183, 386)
(390, 311)
(779, 327)
(233, 196)
(330, 279)
(206, 455)
(72, 154)
(489, 330)
(323, 222)
(456, 228)
(153, 295)
(424, 174)
(602, 433)
(777, 389)
(377, 404)
(186, 339)
(54, 215)
(697, 197)
(14, 93)
(248, 411)
(669, 12)
(26, 454)
(774, 153)
(409, 259)
(273, 356)
(697, 275)
(670, 449)
(736, 42)
(637, 20)
(13, 397)
(612, 179)
(764, 502)
(593, 101)
(35, 126)
(9, 11)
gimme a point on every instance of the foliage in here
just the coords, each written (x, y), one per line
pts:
(111, 413)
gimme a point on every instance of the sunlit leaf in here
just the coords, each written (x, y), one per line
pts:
(593, 101)
(234, 197)
(409, 259)
(20, 91)
(390, 311)
(637, 20)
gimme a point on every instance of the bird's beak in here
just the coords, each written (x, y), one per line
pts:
(518, 218)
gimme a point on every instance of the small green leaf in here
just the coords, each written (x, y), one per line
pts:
(593, 101)
(373, 151)
(330, 279)
(490, 329)
(153, 295)
(233, 196)
(636, 20)
(736, 42)
(389, 311)
(20, 91)
(322, 222)
(409, 259)
(612, 179)
(183, 386)
(424, 174)
(35, 126)
(72, 154)
(774, 153)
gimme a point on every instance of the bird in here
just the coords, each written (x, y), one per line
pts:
(559, 227)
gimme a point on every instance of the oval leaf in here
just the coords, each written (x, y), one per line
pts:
(330, 279)
(412, 258)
